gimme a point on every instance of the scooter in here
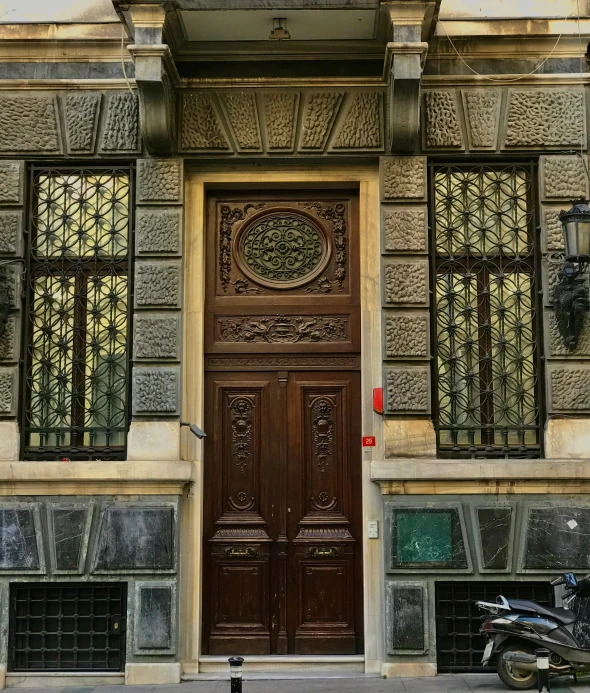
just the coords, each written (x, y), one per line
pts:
(517, 627)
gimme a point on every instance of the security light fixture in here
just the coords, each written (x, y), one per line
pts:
(194, 429)
(279, 30)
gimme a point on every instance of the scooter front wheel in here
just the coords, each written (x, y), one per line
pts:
(513, 678)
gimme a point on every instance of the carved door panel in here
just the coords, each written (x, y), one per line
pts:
(282, 563)
(322, 458)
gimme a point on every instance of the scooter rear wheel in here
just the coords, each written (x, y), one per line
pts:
(517, 681)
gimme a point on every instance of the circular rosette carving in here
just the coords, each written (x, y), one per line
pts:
(282, 248)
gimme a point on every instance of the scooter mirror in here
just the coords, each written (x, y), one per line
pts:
(570, 579)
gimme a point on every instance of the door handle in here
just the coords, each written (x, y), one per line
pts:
(324, 551)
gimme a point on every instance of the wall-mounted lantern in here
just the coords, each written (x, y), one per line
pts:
(5, 294)
(571, 292)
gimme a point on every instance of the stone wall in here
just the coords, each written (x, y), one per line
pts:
(97, 539)
(504, 119)
(504, 538)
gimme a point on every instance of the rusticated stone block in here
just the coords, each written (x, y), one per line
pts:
(407, 389)
(157, 284)
(570, 389)
(121, 127)
(404, 229)
(28, 124)
(403, 177)
(442, 120)
(240, 108)
(12, 277)
(10, 232)
(8, 341)
(319, 113)
(406, 335)
(545, 118)
(552, 234)
(8, 391)
(482, 108)
(556, 345)
(406, 282)
(201, 128)
(156, 390)
(11, 182)
(81, 114)
(158, 230)
(159, 180)
(280, 109)
(361, 127)
(156, 337)
(563, 177)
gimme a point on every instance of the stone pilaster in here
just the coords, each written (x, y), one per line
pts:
(157, 323)
(562, 179)
(12, 196)
(406, 301)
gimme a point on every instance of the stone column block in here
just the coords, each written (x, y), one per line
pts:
(569, 387)
(404, 229)
(159, 181)
(405, 281)
(563, 177)
(156, 390)
(407, 389)
(158, 284)
(403, 178)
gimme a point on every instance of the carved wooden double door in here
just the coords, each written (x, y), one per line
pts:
(282, 549)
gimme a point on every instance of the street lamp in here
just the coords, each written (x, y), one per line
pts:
(576, 233)
(570, 295)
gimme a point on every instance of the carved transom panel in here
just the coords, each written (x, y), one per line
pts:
(282, 249)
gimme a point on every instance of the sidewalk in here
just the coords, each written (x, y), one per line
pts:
(474, 683)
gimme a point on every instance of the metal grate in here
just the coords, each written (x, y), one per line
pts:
(485, 270)
(67, 627)
(459, 646)
(76, 360)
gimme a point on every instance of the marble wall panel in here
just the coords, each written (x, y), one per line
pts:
(406, 617)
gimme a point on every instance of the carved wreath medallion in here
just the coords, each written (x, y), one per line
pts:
(282, 248)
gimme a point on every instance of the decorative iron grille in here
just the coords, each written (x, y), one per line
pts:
(67, 627)
(459, 645)
(76, 360)
(485, 268)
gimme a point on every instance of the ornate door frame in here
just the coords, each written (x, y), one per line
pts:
(196, 185)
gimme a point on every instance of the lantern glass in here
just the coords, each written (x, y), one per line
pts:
(576, 232)
(576, 236)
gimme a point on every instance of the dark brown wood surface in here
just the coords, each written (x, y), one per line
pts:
(282, 522)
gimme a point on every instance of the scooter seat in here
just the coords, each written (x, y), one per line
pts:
(557, 613)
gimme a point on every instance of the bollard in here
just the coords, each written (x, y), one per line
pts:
(543, 670)
(235, 672)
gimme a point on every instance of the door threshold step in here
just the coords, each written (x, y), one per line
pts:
(285, 666)
(283, 676)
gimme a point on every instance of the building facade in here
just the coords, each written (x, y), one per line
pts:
(299, 226)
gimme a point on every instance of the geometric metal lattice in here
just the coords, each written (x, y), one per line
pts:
(487, 372)
(77, 331)
(67, 627)
(459, 645)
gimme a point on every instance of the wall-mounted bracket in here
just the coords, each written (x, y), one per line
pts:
(571, 302)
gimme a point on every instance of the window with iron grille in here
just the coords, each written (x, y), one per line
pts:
(485, 294)
(78, 312)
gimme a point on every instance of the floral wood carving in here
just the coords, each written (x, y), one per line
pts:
(283, 329)
(241, 431)
(323, 431)
(229, 217)
(336, 215)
